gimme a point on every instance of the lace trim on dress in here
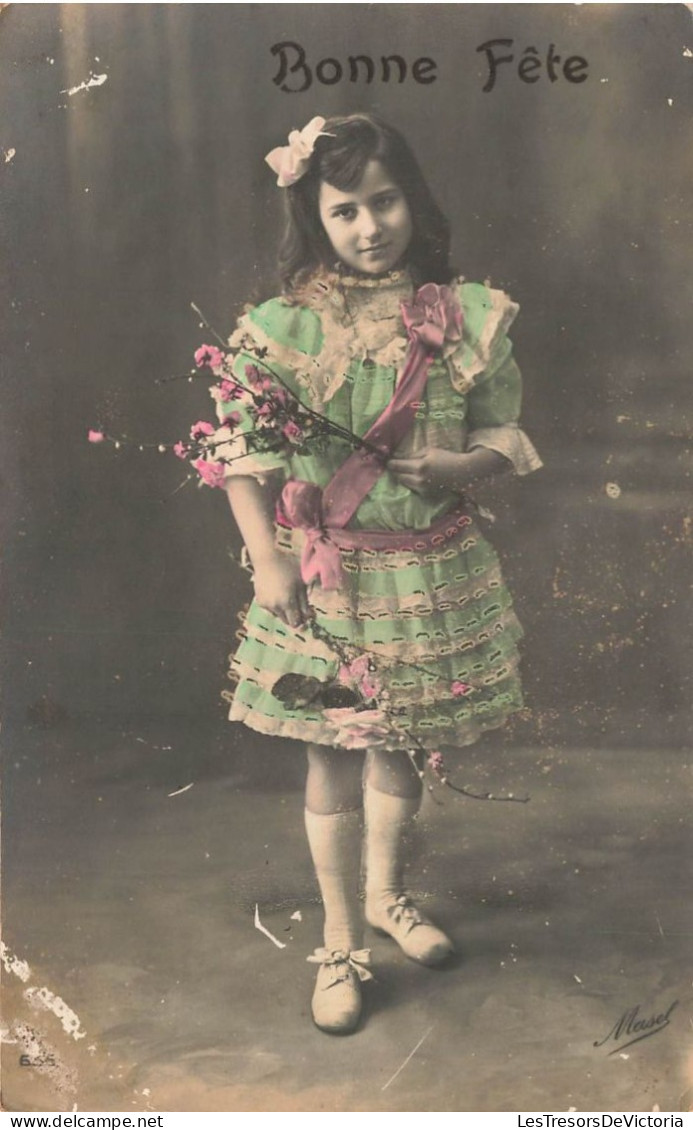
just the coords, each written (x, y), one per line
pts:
(472, 358)
(406, 693)
(305, 368)
(458, 731)
(361, 318)
(430, 644)
(362, 315)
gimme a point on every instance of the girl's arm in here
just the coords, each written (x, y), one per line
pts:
(433, 470)
(276, 575)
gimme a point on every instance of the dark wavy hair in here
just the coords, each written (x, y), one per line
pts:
(341, 159)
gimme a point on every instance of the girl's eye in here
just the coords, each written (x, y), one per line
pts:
(386, 202)
(345, 213)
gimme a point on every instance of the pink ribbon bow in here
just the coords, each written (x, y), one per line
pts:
(290, 161)
(300, 506)
(431, 319)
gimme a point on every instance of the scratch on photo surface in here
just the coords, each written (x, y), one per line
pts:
(265, 931)
(177, 792)
(659, 924)
(412, 1053)
(9, 155)
(151, 746)
(93, 80)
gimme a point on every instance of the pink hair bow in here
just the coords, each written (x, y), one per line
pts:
(290, 161)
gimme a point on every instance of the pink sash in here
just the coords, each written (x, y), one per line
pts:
(433, 318)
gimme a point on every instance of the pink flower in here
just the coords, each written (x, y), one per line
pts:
(180, 449)
(209, 355)
(358, 674)
(95, 436)
(359, 666)
(370, 687)
(200, 429)
(231, 420)
(459, 688)
(211, 473)
(264, 411)
(229, 390)
(252, 374)
(359, 729)
(351, 673)
(435, 762)
(292, 431)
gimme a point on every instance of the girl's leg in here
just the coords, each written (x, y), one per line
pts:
(393, 796)
(334, 824)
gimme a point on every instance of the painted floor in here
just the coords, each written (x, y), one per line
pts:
(135, 908)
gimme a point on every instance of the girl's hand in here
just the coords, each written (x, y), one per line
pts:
(431, 471)
(279, 589)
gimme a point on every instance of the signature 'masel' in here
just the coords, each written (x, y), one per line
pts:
(631, 1023)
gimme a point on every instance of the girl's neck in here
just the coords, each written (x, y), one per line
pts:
(349, 277)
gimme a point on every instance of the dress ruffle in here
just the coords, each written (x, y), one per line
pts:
(508, 440)
(489, 315)
(431, 621)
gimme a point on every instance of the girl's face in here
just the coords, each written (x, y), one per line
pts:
(370, 227)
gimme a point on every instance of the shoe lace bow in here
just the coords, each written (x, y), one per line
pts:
(341, 964)
(405, 913)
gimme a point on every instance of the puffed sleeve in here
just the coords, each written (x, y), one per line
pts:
(491, 379)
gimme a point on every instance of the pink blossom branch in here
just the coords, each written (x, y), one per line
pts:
(434, 760)
(193, 375)
(335, 429)
(208, 326)
(329, 425)
(484, 796)
(411, 754)
(195, 449)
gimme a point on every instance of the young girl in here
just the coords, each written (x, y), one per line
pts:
(373, 552)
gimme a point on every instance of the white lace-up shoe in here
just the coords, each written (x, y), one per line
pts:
(336, 1003)
(418, 937)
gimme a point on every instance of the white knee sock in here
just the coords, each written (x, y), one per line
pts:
(335, 845)
(389, 819)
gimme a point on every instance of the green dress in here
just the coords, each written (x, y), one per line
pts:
(438, 623)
